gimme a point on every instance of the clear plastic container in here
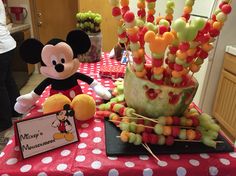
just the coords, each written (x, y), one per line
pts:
(94, 53)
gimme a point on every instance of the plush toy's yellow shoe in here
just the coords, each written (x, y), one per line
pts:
(55, 103)
(57, 136)
(69, 136)
(84, 107)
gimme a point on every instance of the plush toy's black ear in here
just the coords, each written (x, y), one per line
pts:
(79, 42)
(30, 51)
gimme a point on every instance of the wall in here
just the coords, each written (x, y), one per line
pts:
(22, 3)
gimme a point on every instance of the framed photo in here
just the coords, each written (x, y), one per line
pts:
(44, 133)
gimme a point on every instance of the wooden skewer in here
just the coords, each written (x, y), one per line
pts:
(150, 151)
(141, 116)
(116, 121)
(185, 140)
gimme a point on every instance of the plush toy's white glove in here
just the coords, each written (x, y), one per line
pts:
(100, 90)
(25, 102)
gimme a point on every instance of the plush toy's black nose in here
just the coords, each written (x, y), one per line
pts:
(59, 68)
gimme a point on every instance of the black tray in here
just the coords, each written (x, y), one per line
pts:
(115, 147)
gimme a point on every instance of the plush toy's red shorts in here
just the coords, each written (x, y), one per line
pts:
(71, 93)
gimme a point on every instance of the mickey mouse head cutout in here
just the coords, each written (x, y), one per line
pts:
(59, 64)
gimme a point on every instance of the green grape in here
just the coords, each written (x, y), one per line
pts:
(102, 107)
(215, 127)
(208, 141)
(212, 134)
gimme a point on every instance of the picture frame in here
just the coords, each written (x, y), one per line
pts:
(44, 133)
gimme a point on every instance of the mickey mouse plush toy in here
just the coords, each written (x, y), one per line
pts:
(59, 64)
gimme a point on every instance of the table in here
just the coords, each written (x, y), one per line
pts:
(88, 157)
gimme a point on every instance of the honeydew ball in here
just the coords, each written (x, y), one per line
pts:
(179, 25)
(176, 80)
(114, 2)
(164, 22)
(132, 127)
(151, 5)
(170, 4)
(189, 2)
(162, 120)
(151, 26)
(124, 126)
(162, 140)
(221, 17)
(158, 129)
(132, 137)
(183, 134)
(138, 139)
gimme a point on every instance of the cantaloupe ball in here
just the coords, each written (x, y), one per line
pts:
(84, 107)
(55, 103)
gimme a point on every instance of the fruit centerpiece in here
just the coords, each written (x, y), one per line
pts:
(153, 104)
(90, 23)
(178, 49)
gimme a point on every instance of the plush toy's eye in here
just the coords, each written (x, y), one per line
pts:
(63, 60)
(54, 62)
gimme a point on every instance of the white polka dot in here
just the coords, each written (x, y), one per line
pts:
(85, 125)
(11, 161)
(96, 165)
(194, 162)
(4, 175)
(181, 171)
(225, 161)
(78, 173)
(83, 135)
(213, 170)
(72, 93)
(147, 172)
(26, 168)
(162, 163)
(9, 142)
(232, 154)
(97, 120)
(80, 158)
(17, 148)
(97, 129)
(37, 102)
(112, 158)
(42, 174)
(175, 157)
(143, 157)
(82, 145)
(65, 152)
(97, 151)
(61, 167)
(129, 164)
(2, 154)
(204, 156)
(46, 160)
(113, 172)
(40, 110)
(97, 139)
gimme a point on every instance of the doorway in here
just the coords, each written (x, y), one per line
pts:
(53, 19)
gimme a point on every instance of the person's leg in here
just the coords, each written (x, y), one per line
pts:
(13, 91)
(5, 105)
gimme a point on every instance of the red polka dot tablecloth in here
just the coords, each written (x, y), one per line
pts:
(88, 157)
